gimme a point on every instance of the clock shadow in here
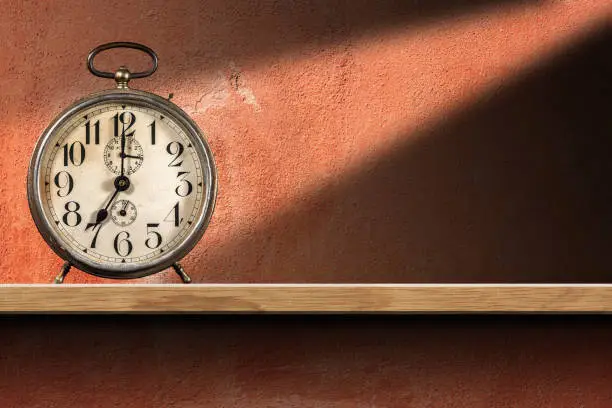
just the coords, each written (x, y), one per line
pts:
(108, 184)
(514, 188)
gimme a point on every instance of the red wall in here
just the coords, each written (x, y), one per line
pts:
(322, 362)
(422, 141)
(415, 141)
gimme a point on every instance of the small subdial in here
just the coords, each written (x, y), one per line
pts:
(123, 213)
(133, 155)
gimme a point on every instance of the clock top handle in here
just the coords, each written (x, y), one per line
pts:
(122, 76)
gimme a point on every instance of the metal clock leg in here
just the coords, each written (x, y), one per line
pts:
(181, 272)
(63, 272)
(67, 266)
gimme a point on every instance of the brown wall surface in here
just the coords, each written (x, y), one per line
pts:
(313, 362)
(356, 141)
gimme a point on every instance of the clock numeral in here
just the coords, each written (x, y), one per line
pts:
(72, 155)
(127, 119)
(156, 237)
(173, 215)
(187, 186)
(123, 246)
(152, 126)
(67, 216)
(176, 149)
(95, 237)
(96, 127)
(62, 180)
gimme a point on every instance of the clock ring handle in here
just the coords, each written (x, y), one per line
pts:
(122, 76)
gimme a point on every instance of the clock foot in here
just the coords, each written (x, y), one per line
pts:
(63, 272)
(181, 272)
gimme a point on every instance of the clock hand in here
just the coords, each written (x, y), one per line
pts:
(123, 212)
(130, 156)
(122, 155)
(102, 213)
(122, 183)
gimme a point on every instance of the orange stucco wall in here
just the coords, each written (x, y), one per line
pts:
(421, 141)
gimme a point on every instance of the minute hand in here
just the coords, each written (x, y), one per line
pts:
(122, 155)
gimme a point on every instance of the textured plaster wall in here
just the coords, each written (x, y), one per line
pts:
(301, 362)
(406, 141)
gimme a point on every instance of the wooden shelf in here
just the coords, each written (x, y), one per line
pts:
(306, 298)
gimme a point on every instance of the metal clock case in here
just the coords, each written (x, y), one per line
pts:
(72, 228)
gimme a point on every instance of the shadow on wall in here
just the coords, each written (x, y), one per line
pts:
(324, 21)
(513, 189)
(194, 38)
(255, 30)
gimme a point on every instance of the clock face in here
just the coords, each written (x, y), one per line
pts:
(122, 185)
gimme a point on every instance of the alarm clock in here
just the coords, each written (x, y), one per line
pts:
(122, 184)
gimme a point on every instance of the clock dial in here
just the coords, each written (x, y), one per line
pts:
(133, 155)
(123, 213)
(122, 184)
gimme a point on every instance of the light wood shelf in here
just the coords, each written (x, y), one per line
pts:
(306, 298)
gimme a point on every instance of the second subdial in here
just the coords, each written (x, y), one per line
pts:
(123, 213)
(133, 155)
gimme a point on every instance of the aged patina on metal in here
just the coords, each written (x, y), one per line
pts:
(48, 222)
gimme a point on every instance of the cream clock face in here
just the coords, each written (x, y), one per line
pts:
(122, 184)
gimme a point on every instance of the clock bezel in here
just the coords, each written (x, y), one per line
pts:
(200, 144)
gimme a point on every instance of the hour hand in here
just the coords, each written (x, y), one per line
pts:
(100, 216)
(123, 156)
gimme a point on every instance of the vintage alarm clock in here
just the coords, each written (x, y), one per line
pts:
(122, 184)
